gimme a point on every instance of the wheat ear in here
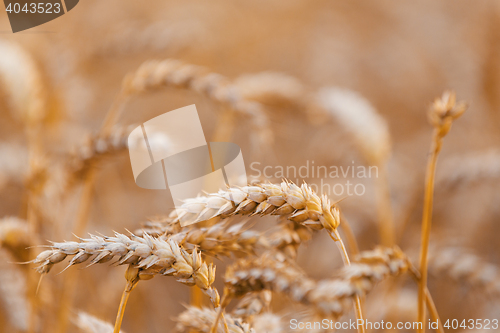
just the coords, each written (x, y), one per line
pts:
(91, 324)
(462, 265)
(329, 297)
(370, 133)
(298, 204)
(441, 116)
(469, 168)
(273, 89)
(14, 233)
(172, 73)
(201, 320)
(220, 239)
(95, 147)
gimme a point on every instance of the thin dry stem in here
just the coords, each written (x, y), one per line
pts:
(441, 116)
(347, 262)
(132, 277)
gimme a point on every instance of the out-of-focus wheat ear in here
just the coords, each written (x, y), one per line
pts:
(253, 304)
(370, 132)
(201, 320)
(283, 91)
(14, 233)
(21, 79)
(97, 146)
(171, 73)
(269, 323)
(13, 164)
(88, 323)
(361, 120)
(329, 298)
(441, 115)
(13, 292)
(461, 170)
(466, 268)
(272, 88)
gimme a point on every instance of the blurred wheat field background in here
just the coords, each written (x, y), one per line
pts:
(334, 83)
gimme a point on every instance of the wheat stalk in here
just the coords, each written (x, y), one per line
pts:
(441, 116)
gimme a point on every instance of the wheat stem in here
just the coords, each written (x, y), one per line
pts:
(220, 313)
(334, 234)
(121, 309)
(433, 310)
(428, 299)
(132, 277)
(441, 116)
(426, 226)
